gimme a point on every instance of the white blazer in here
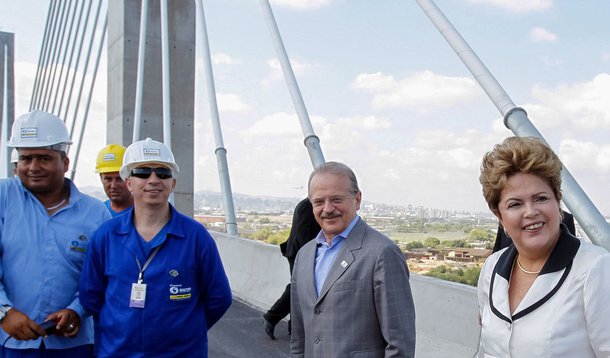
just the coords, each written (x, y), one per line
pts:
(565, 313)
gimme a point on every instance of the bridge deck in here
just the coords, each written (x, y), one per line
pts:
(239, 333)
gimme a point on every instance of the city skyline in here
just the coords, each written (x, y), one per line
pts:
(384, 91)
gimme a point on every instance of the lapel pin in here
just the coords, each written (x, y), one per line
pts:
(343, 264)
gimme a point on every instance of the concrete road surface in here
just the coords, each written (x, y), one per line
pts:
(240, 334)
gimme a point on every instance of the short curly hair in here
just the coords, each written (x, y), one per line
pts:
(518, 155)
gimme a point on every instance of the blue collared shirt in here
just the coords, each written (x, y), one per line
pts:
(187, 289)
(113, 212)
(326, 254)
(42, 256)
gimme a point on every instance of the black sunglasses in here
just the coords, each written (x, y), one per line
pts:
(146, 172)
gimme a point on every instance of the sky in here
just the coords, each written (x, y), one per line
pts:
(385, 93)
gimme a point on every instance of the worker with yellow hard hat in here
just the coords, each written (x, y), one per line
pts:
(108, 164)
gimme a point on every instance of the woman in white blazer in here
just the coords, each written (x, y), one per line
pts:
(548, 294)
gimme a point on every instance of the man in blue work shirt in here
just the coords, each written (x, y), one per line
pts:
(153, 278)
(45, 225)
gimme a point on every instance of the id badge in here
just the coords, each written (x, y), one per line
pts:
(138, 295)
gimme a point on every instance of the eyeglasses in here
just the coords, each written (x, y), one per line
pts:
(146, 172)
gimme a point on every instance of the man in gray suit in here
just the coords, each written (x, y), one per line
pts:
(350, 285)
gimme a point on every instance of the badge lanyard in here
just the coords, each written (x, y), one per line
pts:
(138, 289)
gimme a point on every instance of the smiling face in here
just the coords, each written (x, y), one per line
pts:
(530, 213)
(151, 191)
(42, 170)
(334, 206)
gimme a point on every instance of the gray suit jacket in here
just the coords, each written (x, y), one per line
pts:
(365, 307)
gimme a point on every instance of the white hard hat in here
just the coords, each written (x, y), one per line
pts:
(14, 156)
(147, 151)
(39, 129)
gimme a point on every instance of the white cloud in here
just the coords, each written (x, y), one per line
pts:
(517, 5)
(366, 122)
(25, 73)
(301, 4)
(422, 90)
(273, 159)
(275, 125)
(583, 107)
(539, 34)
(438, 161)
(229, 102)
(284, 124)
(586, 156)
(276, 74)
(220, 58)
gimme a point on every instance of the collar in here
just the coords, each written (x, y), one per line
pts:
(173, 226)
(321, 239)
(74, 195)
(562, 255)
(549, 281)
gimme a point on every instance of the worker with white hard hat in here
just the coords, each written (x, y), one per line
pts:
(153, 278)
(108, 164)
(46, 225)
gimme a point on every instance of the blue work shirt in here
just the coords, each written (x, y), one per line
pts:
(113, 212)
(325, 253)
(187, 290)
(42, 257)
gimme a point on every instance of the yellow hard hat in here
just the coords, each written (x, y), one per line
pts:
(110, 159)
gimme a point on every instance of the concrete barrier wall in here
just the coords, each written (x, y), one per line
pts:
(447, 314)
(258, 273)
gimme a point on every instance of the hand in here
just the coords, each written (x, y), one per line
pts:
(20, 326)
(68, 322)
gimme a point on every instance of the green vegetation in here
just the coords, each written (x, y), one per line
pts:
(268, 235)
(262, 234)
(469, 276)
(455, 243)
(413, 245)
(447, 239)
(480, 234)
(431, 242)
(277, 238)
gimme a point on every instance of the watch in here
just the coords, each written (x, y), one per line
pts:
(3, 310)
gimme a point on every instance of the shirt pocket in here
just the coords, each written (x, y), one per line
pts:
(181, 286)
(76, 249)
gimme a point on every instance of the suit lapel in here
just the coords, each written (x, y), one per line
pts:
(307, 255)
(548, 282)
(344, 258)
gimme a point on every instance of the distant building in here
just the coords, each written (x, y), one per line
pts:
(214, 220)
(424, 253)
(468, 255)
(456, 254)
(209, 219)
